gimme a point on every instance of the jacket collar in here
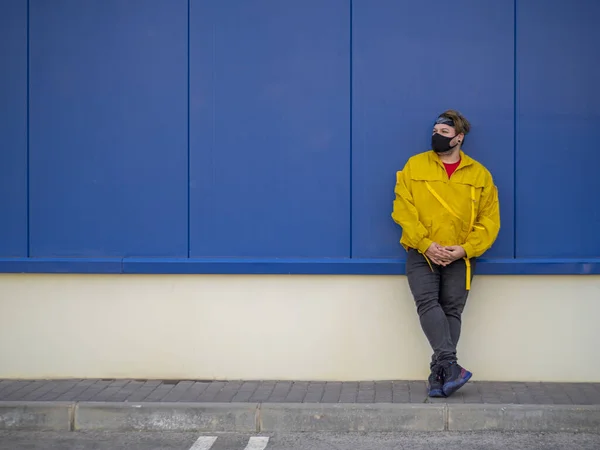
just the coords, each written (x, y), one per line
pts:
(465, 160)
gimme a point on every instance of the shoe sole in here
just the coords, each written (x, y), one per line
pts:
(436, 393)
(453, 387)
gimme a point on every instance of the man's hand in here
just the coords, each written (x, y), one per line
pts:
(439, 255)
(457, 252)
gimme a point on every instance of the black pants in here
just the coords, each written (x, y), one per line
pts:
(440, 295)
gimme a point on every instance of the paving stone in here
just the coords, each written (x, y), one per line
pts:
(72, 392)
(245, 392)
(14, 387)
(121, 383)
(194, 392)
(314, 392)
(88, 393)
(127, 390)
(48, 397)
(64, 386)
(280, 392)
(471, 394)
(19, 394)
(86, 382)
(417, 391)
(349, 392)
(228, 392)
(104, 383)
(561, 400)
(383, 392)
(401, 392)
(457, 397)
(525, 399)
(332, 392)
(141, 393)
(211, 391)
(263, 391)
(39, 392)
(178, 391)
(574, 393)
(159, 393)
(4, 384)
(366, 392)
(154, 383)
(105, 394)
(297, 392)
(591, 393)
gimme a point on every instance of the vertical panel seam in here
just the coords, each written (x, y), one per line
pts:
(515, 131)
(188, 132)
(351, 126)
(28, 212)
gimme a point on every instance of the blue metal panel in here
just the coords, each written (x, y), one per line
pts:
(13, 128)
(558, 152)
(108, 128)
(270, 128)
(355, 266)
(61, 265)
(411, 61)
(309, 266)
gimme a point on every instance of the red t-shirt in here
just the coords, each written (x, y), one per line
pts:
(450, 168)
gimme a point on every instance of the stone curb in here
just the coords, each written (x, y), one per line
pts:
(36, 416)
(208, 417)
(567, 418)
(345, 417)
(295, 417)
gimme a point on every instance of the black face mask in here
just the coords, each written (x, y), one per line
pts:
(441, 144)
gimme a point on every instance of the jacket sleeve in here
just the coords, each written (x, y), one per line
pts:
(487, 224)
(405, 213)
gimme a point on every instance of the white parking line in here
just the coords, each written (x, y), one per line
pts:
(257, 443)
(204, 443)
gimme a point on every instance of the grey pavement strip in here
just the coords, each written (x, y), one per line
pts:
(274, 391)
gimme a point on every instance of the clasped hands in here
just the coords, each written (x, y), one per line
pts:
(443, 256)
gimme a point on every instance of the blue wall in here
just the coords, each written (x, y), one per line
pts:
(108, 128)
(13, 128)
(270, 129)
(264, 136)
(409, 64)
(558, 114)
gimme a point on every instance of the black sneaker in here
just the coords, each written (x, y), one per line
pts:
(455, 377)
(436, 382)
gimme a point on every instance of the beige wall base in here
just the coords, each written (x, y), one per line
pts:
(517, 328)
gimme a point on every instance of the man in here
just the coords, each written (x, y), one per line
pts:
(447, 206)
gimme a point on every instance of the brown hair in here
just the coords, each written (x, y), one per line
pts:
(461, 124)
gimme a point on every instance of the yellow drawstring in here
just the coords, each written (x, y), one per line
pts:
(467, 260)
(428, 262)
(445, 205)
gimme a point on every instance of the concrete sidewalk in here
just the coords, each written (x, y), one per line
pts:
(278, 406)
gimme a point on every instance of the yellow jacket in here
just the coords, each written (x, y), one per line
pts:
(461, 210)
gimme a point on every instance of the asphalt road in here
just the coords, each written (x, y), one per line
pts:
(296, 441)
